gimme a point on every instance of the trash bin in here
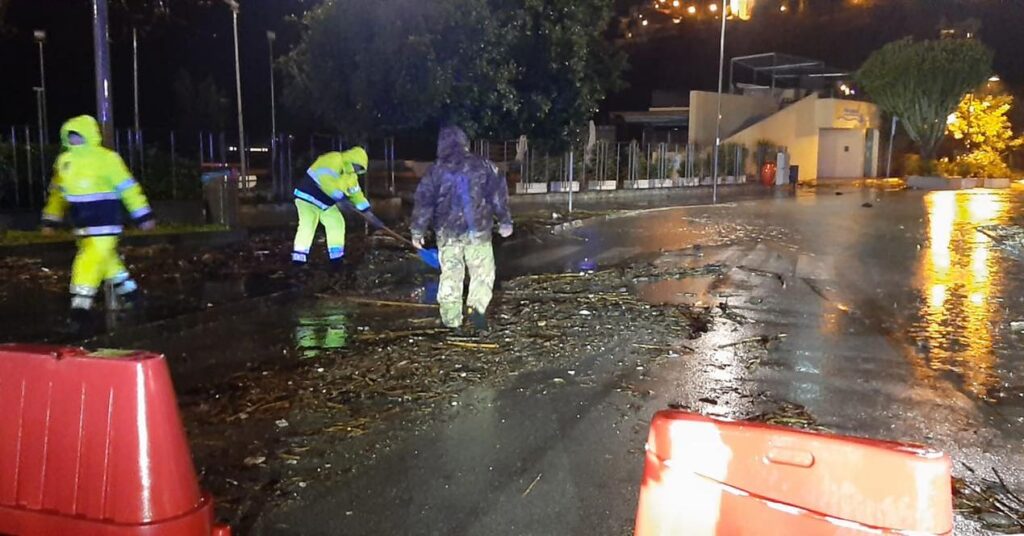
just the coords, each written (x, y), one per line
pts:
(768, 173)
(220, 196)
(794, 174)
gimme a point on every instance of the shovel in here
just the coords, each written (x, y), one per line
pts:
(428, 256)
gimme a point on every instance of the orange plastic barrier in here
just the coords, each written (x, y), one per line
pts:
(704, 476)
(92, 444)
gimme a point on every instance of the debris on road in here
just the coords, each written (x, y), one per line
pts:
(1009, 238)
(990, 502)
(792, 415)
(395, 365)
(761, 339)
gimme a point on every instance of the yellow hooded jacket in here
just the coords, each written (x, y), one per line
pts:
(92, 182)
(333, 177)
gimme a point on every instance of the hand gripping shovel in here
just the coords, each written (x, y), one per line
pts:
(428, 256)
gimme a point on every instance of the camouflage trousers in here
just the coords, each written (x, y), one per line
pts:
(457, 256)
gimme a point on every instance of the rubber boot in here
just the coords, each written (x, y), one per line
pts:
(478, 320)
(82, 324)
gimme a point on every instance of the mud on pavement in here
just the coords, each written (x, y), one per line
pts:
(267, 433)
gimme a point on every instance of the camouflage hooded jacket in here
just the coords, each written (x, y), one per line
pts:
(461, 194)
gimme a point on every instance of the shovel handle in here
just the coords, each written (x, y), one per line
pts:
(393, 234)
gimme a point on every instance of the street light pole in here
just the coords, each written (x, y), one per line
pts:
(135, 75)
(39, 117)
(718, 118)
(104, 86)
(238, 89)
(892, 139)
(135, 87)
(40, 37)
(271, 36)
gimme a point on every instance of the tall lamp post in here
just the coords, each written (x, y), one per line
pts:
(238, 89)
(271, 37)
(40, 38)
(104, 85)
(718, 118)
(135, 88)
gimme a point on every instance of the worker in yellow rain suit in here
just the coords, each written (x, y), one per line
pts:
(332, 179)
(90, 183)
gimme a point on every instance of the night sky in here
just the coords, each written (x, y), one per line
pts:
(196, 35)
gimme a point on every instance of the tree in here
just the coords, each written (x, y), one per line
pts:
(405, 63)
(922, 82)
(496, 67)
(565, 64)
(201, 106)
(984, 134)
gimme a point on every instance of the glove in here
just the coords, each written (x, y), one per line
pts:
(148, 225)
(48, 230)
(505, 230)
(373, 219)
(417, 241)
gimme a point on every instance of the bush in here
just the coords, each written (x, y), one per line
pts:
(163, 181)
(978, 164)
(914, 164)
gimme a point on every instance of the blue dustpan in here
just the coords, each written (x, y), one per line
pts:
(430, 258)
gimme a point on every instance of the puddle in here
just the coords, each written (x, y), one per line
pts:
(690, 291)
(326, 328)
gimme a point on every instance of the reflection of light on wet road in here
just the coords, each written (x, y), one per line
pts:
(315, 333)
(958, 275)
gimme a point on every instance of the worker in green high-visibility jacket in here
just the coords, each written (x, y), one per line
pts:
(332, 179)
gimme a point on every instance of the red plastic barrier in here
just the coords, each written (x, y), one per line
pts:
(92, 444)
(704, 476)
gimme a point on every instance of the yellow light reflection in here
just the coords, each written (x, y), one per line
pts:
(958, 279)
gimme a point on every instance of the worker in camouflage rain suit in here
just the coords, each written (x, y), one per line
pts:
(333, 178)
(90, 184)
(459, 197)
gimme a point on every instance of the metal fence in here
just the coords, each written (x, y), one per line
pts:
(627, 165)
(170, 163)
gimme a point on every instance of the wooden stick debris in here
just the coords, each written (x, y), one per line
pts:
(474, 345)
(763, 339)
(532, 484)
(387, 303)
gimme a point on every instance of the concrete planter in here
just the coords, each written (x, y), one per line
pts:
(602, 185)
(996, 184)
(641, 184)
(532, 188)
(941, 183)
(563, 186)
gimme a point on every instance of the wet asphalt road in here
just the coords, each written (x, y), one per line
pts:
(897, 326)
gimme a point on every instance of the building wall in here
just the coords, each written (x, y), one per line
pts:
(795, 128)
(736, 111)
(798, 127)
(839, 113)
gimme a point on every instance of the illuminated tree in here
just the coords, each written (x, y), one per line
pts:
(984, 134)
(922, 82)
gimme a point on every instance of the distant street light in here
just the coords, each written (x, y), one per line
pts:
(718, 117)
(238, 89)
(104, 85)
(40, 38)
